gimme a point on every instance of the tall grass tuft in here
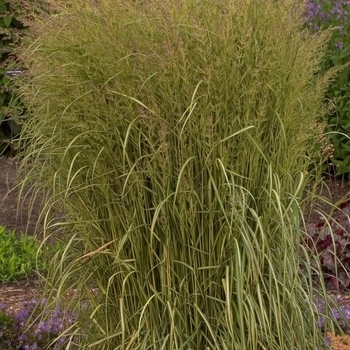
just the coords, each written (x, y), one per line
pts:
(175, 136)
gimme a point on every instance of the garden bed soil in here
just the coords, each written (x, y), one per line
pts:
(14, 294)
(336, 191)
(14, 214)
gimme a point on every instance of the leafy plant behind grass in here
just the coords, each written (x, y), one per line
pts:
(10, 28)
(329, 240)
(19, 255)
(176, 137)
(336, 14)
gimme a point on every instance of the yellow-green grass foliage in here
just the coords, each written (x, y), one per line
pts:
(175, 137)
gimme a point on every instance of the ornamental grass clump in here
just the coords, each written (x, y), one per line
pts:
(175, 137)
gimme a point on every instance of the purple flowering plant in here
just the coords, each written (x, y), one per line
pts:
(335, 310)
(323, 14)
(19, 332)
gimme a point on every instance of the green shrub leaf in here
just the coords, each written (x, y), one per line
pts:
(7, 20)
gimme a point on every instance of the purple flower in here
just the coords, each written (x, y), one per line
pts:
(320, 322)
(41, 332)
(43, 327)
(327, 13)
(340, 312)
(22, 338)
(339, 46)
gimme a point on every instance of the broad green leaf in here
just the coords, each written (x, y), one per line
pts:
(5, 80)
(7, 20)
(2, 98)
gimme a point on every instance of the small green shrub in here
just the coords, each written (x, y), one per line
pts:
(20, 255)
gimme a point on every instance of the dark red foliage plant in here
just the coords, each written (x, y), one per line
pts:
(329, 239)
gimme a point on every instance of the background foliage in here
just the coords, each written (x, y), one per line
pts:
(329, 236)
(10, 28)
(323, 14)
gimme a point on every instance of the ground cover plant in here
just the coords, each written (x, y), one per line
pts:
(329, 240)
(20, 255)
(18, 332)
(176, 138)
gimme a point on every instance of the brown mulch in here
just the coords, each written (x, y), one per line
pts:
(336, 191)
(14, 294)
(9, 203)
